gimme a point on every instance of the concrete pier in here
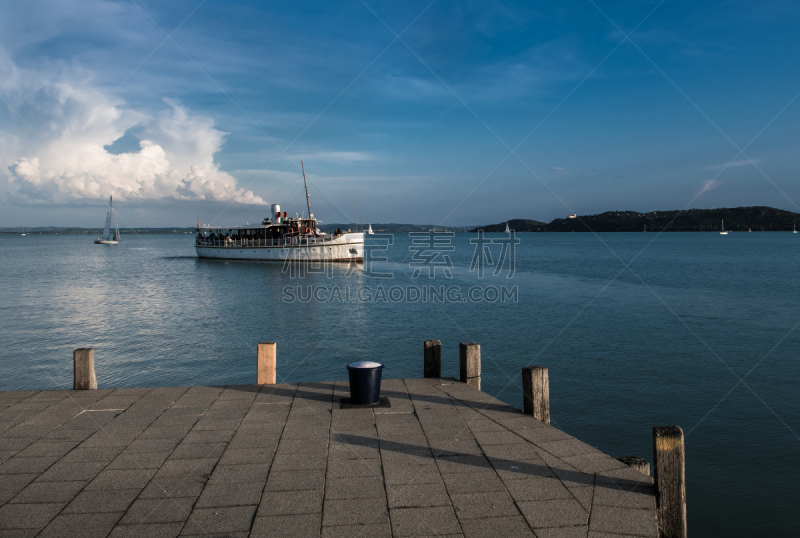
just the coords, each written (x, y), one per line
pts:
(284, 460)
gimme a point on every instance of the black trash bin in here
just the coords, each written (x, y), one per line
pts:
(365, 382)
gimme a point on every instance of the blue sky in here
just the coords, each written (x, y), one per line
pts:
(190, 109)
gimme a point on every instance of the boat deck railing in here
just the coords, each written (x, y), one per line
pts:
(282, 242)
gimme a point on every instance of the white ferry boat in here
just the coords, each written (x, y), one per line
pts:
(279, 238)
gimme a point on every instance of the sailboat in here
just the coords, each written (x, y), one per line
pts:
(107, 238)
(794, 230)
(369, 230)
(507, 230)
(724, 231)
(23, 232)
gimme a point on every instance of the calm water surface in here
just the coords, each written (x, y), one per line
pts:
(698, 330)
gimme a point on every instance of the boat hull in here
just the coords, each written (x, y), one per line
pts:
(335, 251)
(104, 242)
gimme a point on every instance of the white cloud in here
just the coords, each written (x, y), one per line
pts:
(55, 144)
(709, 185)
(733, 164)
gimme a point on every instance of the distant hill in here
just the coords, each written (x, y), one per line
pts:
(757, 218)
(91, 231)
(392, 227)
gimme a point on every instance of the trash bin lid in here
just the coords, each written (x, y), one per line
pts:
(365, 364)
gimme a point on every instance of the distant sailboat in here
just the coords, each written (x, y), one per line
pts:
(23, 232)
(794, 230)
(507, 230)
(724, 231)
(107, 238)
(369, 230)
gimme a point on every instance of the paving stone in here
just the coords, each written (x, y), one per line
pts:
(480, 481)
(537, 489)
(152, 445)
(236, 456)
(279, 503)
(493, 504)
(44, 448)
(208, 436)
(239, 494)
(167, 510)
(380, 530)
(348, 468)
(223, 521)
(462, 464)
(424, 521)
(555, 513)
(12, 484)
(81, 525)
(424, 473)
(583, 495)
(303, 446)
(89, 502)
(28, 516)
(121, 479)
(623, 520)
(153, 530)
(607, 495)
(17, 465)
(563, 532)
(98, 454)
(198, 450)
(295, 480)
(299, 462)
(355, 512)
(139, 460)
(358, 487)
(188, 467)
(249, 472)
(174, 486)
(288, 526)
(65, 471)
(49, 492)
(507, 527)
(417, 495)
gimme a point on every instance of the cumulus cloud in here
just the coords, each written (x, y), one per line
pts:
(54, 145)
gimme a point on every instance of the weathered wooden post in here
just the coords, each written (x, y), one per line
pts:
(670, 478)
(643, 466)
(469, 354)
(83, 369)
(536, 392)
(433, 358)
(267, 368)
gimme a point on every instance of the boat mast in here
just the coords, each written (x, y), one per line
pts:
(308, 202)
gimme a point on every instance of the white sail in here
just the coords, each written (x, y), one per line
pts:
(507, 230)
(369, 231)
(107, 229)
(107, 239)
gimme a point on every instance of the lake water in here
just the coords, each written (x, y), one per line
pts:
(698, 330)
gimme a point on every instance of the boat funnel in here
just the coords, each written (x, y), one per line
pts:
(276, 212)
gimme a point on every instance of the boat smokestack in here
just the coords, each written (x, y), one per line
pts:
(276, 212)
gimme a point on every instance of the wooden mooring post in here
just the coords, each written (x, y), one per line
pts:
(469, 354)
(433, 358)
(267, 367)
(669, 462)
(536, 392)
(83, 369)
